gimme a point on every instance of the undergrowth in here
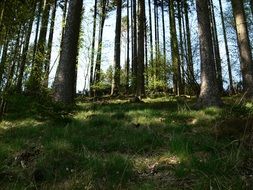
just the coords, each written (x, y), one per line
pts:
(160, 144)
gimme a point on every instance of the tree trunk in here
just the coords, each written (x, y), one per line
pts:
(93, 46)
(231, 88)
(36, 77)
(3, 60)
(190, 69)
(49, 45)
(128, 50)
(140, 67)
(216, 50)
(244, 47)
(116, 76)
(209, 92)
(65, 79)
(175, 51)
(134, 58)
(100, 40)
(24, 56)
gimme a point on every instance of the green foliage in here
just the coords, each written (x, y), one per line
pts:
(158, 74)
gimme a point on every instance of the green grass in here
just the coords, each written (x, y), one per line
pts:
(160, 144)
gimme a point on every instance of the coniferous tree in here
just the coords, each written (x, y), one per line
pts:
(209, 92)
(65, 79)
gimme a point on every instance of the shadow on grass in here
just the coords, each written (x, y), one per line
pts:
(153, 145)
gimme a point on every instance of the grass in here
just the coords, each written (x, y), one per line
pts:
(159, 144)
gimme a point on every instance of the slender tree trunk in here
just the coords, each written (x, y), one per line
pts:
(217, 58)
(134, 59)
(117, 49)
(2, 8)
(49, 45)
(24, 56)
(65, 79)
(164, 35)
(93, 46)
(141, 31)
(100, 40)
(190, 69)
(128, 52)
(209, 92)
(36, 77)
(175, 51)
(3, 60)
(244, 47)
(231, 88)
(37, 31)
(181, 42)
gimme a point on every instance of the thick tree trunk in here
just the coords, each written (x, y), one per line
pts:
(244, 47)
(65, 79)
(116, 75)
(209, 92)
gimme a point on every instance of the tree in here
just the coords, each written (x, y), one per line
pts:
(65, 79)
(227, 51)
(244, 47)
(209, 92)
(174, 51)
(93, 45)
(116, 74)
(140, 66)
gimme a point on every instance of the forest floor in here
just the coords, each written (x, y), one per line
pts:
(162, 143)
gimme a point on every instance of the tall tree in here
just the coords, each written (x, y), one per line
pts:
(65, 79)
(102, 15)
(231, 88)
(174, 51)
(216, 49)
(244, 47)
(209, 92)
(93, 45)
(116, 74)
(140, 67)
(50, 43)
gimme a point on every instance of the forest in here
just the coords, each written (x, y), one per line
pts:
(126, 94)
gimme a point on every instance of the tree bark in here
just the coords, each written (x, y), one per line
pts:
(100, 40)
(116, 76)
(140, 67)
(209, 92)
(244, 47)
(65, 79)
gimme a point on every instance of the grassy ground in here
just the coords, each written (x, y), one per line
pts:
(160, 144)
